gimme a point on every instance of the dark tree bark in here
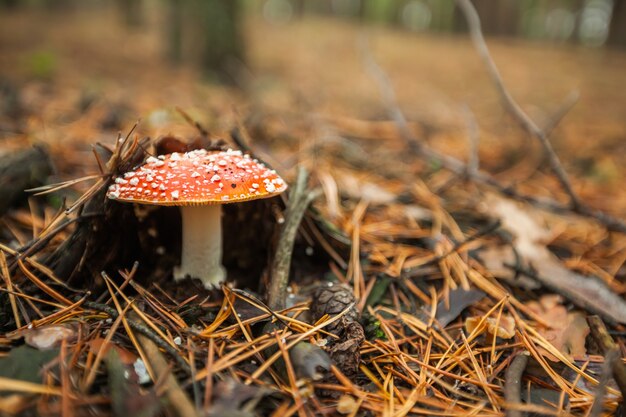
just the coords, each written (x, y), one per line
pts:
(9, 4)
(617, 28)
(174, 29)
(219, 27)
(131, 11)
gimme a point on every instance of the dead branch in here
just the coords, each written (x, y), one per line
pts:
(604, 340)
(460, 168)
(513, 382)
(299, 199)
(610, 358)
(473, 22)
(177, 400)
(142, 330)
(473, 160)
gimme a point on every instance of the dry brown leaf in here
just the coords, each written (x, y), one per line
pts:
(126, 357)
(347, 404)
(568, 329)
(529, 234)
(48, 337)
(503, 328)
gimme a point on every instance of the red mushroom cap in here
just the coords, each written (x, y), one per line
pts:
(197, 177)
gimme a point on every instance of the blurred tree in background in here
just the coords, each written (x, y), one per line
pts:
(617, 31)
(209, 33)
(132, 12)
(220, 38)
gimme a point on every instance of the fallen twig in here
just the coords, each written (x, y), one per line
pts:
(178, 401)
(299, 199)
(513, 383)
(462, 169)
(604, 340)
(473, 23)
(142, 329)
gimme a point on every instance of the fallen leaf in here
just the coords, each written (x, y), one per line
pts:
(127, 357)
(459, 299)
(308, 359)
(48, 337)
(529, 235)
(567, 331)
(24, 363)
(347, 404)
(503, 328)
(364, 190)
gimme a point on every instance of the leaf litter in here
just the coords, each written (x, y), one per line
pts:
(405, 244)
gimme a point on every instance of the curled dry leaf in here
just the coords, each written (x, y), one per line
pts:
(125, 356)
(48, 337)
(503, 328)
(347, 404)
(568, 329)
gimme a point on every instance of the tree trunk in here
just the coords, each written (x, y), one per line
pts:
(132, 12)
(617, 28)
(221, 38)
(175, 31)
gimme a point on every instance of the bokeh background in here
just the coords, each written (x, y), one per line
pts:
(77, 72)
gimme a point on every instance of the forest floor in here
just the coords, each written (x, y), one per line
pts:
(452, 281)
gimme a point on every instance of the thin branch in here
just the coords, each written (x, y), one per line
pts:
(606, 343)
(610, 358)
(513, 383)
(299, 199)
(473, 22)
(142, 329)
(460, 168)
(561, 112)
(473, 160)
(178, 401)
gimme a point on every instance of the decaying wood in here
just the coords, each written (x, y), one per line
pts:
(105, 234)
(22, 170)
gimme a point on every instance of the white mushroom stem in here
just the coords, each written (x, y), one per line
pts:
(202, 245)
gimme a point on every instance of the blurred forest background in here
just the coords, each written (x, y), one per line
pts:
(210, 32)
(116, 61)
(320, 84)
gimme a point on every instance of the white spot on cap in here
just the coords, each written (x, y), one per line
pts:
(175, 195)
(175, 156)
(270, 187)
(134, 181)
(195, 174)
(215, 178)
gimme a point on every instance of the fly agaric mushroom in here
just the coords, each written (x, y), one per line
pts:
(199, 182)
